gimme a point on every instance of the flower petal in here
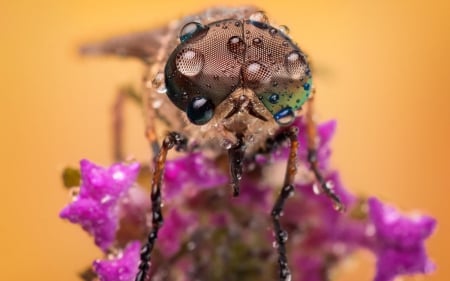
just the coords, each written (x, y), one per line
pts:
(400, 244)
(193, 170)
(175, 226)
(97, 205)
(123, 268)
(93, 218)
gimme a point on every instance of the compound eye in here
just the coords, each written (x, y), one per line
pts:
(200, 110)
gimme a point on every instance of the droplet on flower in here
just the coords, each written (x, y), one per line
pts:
(118, 176)
(316, 189)
(273, 31)
(190, 62)
(259, 16)
(105, 199)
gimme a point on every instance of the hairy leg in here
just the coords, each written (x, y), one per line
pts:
(172, 140)
(281, 235)
(312, 157)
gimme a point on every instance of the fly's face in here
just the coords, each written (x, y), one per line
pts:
(237, 72)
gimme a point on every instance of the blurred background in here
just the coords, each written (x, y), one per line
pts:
(382, 71)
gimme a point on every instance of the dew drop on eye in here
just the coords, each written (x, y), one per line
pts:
(190, 62)
(285, 116)
(190, 30)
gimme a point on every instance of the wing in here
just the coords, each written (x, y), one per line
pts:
(145, 45)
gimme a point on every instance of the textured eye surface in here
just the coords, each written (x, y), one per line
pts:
(214, 60)
(206, 64)
(282, 80)
(200, 110)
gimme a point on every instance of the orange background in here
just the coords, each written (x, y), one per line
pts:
(383, 72)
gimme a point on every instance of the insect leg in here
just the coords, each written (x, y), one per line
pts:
(312, 157)
(281, 235)
(124, 94)
(236, 157)
(172, 140)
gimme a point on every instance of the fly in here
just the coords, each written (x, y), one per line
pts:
(228, 81)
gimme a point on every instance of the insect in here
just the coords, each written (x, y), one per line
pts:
(227, 81)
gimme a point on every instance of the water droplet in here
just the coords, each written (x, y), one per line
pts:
(157, 104)
(316, 189)
(118, 176)
(275, 244)
(227, 144)
(190, 62)
(158, 83)
(259, 16)
(329, 184)
(295, 64)
(273, 31)
(283, 236)
(237, 24)
(284, 29)
(338, 206)
(274, 98)
(257, 41)
(236, 45)
(285, 44)
(189, 30)
(105, 199)
(256, 72)
(161, 90)
(285, 116)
